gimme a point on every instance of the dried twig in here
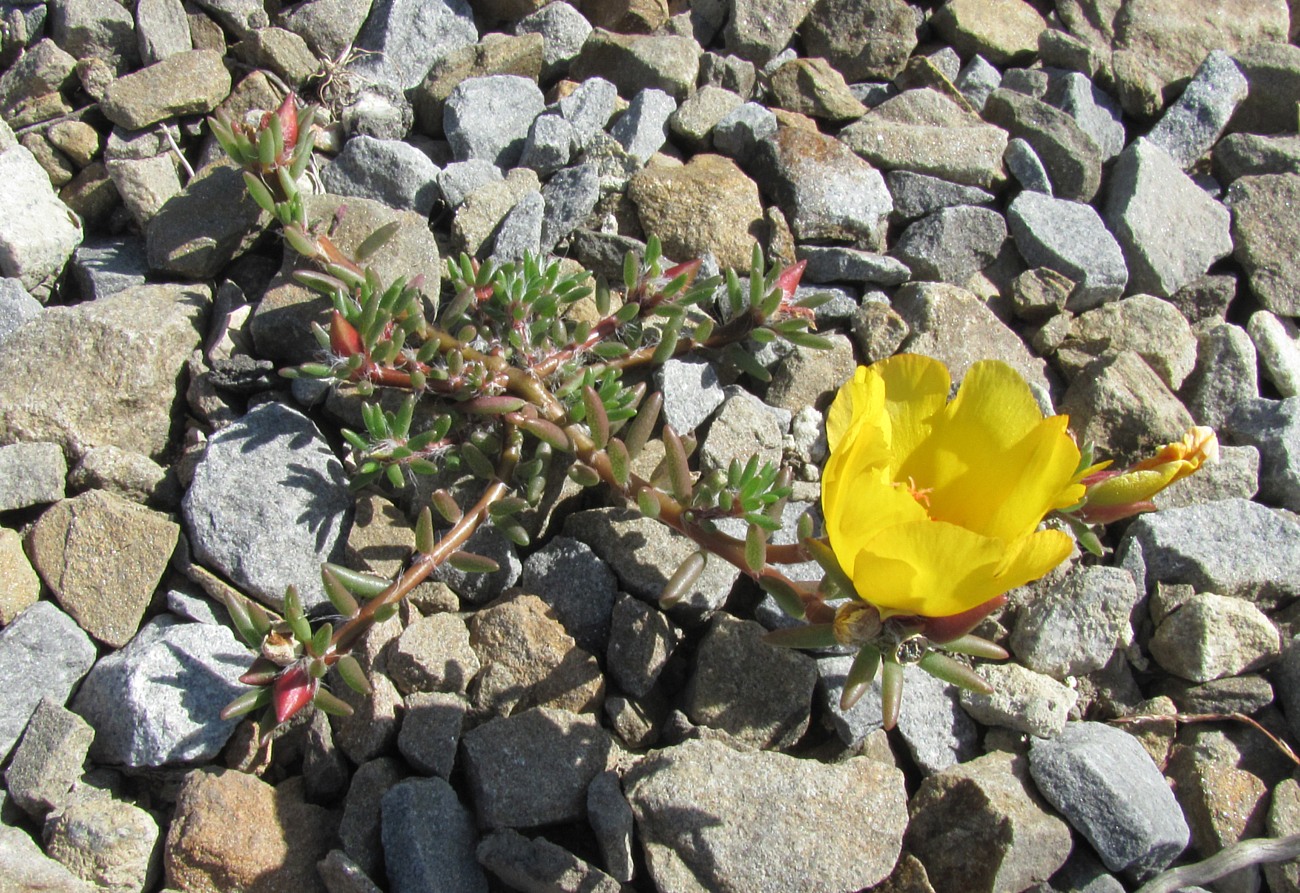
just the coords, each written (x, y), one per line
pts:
(1239, 855)
(1210, 717)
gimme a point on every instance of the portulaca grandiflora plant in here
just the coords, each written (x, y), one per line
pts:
(933, 509)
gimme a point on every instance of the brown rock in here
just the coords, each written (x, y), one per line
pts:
(863, 41)
(19, 585)
(1004, 32)
(1266, 238)
(812, 87)
(233, 831)
(185, 84)
(707, 205)
(381, 539)
(496, 54)
(627, 16)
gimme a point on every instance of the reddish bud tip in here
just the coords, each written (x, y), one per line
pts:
(288, 115)
(345, 341)
(945, 629)
(690, 269)
(788, 280)
(293, 690)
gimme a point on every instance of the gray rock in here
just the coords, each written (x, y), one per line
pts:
(1226, 375)
(739, 132)
(47, 763)
(359, 829)
(1246, 694)
(24, 864)
(744, 427)
(1071, 239)
(705, 818)
(1233, 547)
(198, 232)
(289, 513)
(1025, 165)
(477, 589)
(460, 179)
(611, 820)
(325, 771)
(577, 585)
(189, 83)
(758, 694)
(429, 839)
(833, 263)
(388, 171)
(42, 68)
(31, 474)
(728, 72)
(1272, 427)
(371, 729)
(1234, 476)
(1021, 700)
(1212, 636)
(1286, 679)
(863, 42)
(1276, 343)
(1123, 407)
(644, 554)
(1148, 326)
(642, 640)
(16, 307)
(342, 875)
(634, 62)
(1072, 159)
(825, 190)
(520, 232)
(97, 29)
(564, 30)
(1205, 301)
(588, 109)
(1265, 238)
(568, 199)
(691, 392)
(953, 325)
(157, 701)
(536, 865)
(405, 38)
(952, 244)
(107, 841)
(760, 29)
(533, 768)
(916, 195)
(39, 233)
(1249, 154)
(328, 26)
(642, 130)
(380, 111)
(1190, 126)
(977, 79)
(430, 733)
(981, 825)
(1075, 627)
(1150, 198)
(1105, 784)
(432, 654)
(103, 267)
(809, 376)
(1097, 113)
(240, 16)
(489, 117)
(46, 649)
(549, 144)
(145, 185)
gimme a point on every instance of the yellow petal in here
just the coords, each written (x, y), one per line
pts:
(864, 504)
(916, 390)
(853, 402)
(1136, 486)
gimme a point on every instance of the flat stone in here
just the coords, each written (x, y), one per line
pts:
(568, 198)
(835, 263)
(812, 87)
(20, 587)
(102, 557)
(196, 233)
(1271, 68)
(433, 654)
(389, 171)
(1129, 814)
(158, 700)
(534, 768)
(1272, 427)
(1246, 694)
(106, 841)
(48, 651)
(642, 129)
(758, 694)
(1070, 238)
(406, 37)
(1193, 124)
(96, 28)
(1226, 375)
(261, 542)
(863, 42)
(162, 30)
(281, 52)
(563, 29)
(578, 588)
(103, 267)
(952, 244)
(1076, 625)
(744, 427)
(1264, 213)
(47, 763)
(1233, 547)
(696, 117)
(1002, 31)
(926, 132)
(537, 864)
(691, 391)
(488, 118)
(1248, 154)
(276, 843)
(1096, 112)
(1021, 700)
(704, 816)
(1146, 325)
(429, 839)
(191, 83)
(636, 62)
(430, 733)
(31, 474)
(1071, 158)
(39, 233)
(1212, 636)
(359, 828)
(981, 825)
(1123, 407)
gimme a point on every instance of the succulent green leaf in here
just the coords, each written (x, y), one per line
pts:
(469, 563)
(246, 703)
(784, 594)
(862, 672)
(359, 584)
(811, 635)
(337, 593)
(352, 675)
(331, 704)
(425, 540)
(683, 580)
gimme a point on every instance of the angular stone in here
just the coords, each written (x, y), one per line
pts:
(98, 29)
(739, 132)
(807, 376)
(1212, 636)
(1075, 627)
(1272, 70)
(1123, 407)
(405, 37)
(1226, 376)
(743, 428)
(430, 733)
(1096, 112)
(31, 474)
(1193, 124)
(759, 29)
(1265, 237)
(1233, 547)
(704, 815)
(642, 129)
(534, 768)
(429, 839)
(288, 515)
(433, 654)
(916, 195)
(577, 587)
(1110, 791)
(389, 171)
(212, 221)
(695, 118)
(812, 87)
(20, 587)
(107, 842)
(538, 864)
(162, 29)
(1277, 343)
(1283, 820)
(952, 244)
(39, 233)
(1021, 700)
(276, 843)
(1071, 158)
(926, 132)
(190, 83)
(359, 828)
(981, 826)
(46, 649)
(488, 118)
(102, 556)
(758, 694)
(49, 760)
(1070, 238)
(1149, 195)
(1272, 427)
(563, 29)
(1148, 326)
(158, 700)
(636, 62)
(832, 263)
(863, 41)
(568, 199)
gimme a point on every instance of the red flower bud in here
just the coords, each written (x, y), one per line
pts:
(344, 339)
(293, 690)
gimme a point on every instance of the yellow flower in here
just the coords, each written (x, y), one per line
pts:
(1120, 494)
(932, 508)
